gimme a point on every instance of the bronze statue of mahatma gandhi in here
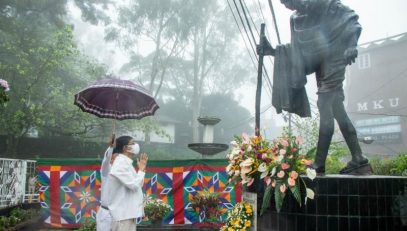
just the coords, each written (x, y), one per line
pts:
(324, 36)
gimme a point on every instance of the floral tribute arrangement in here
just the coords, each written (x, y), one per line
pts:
(208, 206)
(239, 218)
(155, 209)
(279, 163)
(4, 87)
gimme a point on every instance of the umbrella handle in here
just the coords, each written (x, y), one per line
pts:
(114, 128)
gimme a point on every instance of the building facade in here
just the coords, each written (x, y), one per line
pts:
(376, 91)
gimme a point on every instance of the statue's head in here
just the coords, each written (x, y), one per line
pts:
(298, 5)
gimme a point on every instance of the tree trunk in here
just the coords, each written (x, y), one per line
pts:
(11, 146)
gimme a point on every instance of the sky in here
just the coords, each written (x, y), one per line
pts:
(379, 19)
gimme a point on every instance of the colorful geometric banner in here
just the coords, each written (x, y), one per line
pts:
(70, 189)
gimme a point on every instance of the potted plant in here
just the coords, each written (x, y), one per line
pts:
(155, 210)
(208, 206)
(239, 218)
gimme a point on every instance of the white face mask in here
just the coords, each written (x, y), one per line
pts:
(134, 148)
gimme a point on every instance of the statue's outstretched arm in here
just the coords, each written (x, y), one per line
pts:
(265, 48)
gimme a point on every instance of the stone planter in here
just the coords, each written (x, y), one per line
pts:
(344, 203)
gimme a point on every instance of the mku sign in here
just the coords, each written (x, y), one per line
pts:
(378, 104)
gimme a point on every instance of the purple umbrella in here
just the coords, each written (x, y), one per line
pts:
(116, 99)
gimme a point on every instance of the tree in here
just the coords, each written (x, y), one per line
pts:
(158, 23)
(39, 59)
(235, 119)
(190, 49)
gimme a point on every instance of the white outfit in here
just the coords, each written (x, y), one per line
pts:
(31, 184)
(103, 217)
(124, 225)
(125, 190)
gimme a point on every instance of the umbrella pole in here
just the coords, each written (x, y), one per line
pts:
(114, 127)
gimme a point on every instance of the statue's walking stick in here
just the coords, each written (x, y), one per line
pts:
(259, 81)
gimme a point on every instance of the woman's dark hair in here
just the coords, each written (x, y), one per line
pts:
(121, 142)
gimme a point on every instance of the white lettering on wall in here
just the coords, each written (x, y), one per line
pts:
(394, 102)
(378, 104)
(362, 107)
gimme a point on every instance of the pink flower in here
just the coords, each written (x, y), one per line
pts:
(294, 175)
(285, 166)
(291, 182)
(245, 138)
(294, 150)
(273, 184)
(4, 84)
(283, 151)
(299, 140)
(281, 174)
(284, 142)
(283, 188)
(250, 182)
(267, 179)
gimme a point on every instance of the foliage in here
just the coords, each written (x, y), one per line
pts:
(334, 164)
(88, 225)
(17, 216)
(400, 165)
(207, 203)
(155, 209)
(39, 58)
(239, 218)
(308, 129)
(279, 163)
(390, 166)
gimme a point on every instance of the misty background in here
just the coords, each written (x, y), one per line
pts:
(195, 57)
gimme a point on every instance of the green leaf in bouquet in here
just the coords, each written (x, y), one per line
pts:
(296, 192)
(266, 199)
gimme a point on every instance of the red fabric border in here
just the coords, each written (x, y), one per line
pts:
(70, 168)
(54, 197)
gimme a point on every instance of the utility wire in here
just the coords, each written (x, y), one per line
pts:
(275, 21)
(383, 85)
(258, 34)
(241, 33)
(247, 34)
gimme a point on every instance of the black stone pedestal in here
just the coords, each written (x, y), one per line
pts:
(345, 203)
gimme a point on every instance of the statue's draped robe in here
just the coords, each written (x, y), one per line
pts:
(318, 42)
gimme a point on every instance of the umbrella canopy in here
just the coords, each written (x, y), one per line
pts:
(116, 99)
